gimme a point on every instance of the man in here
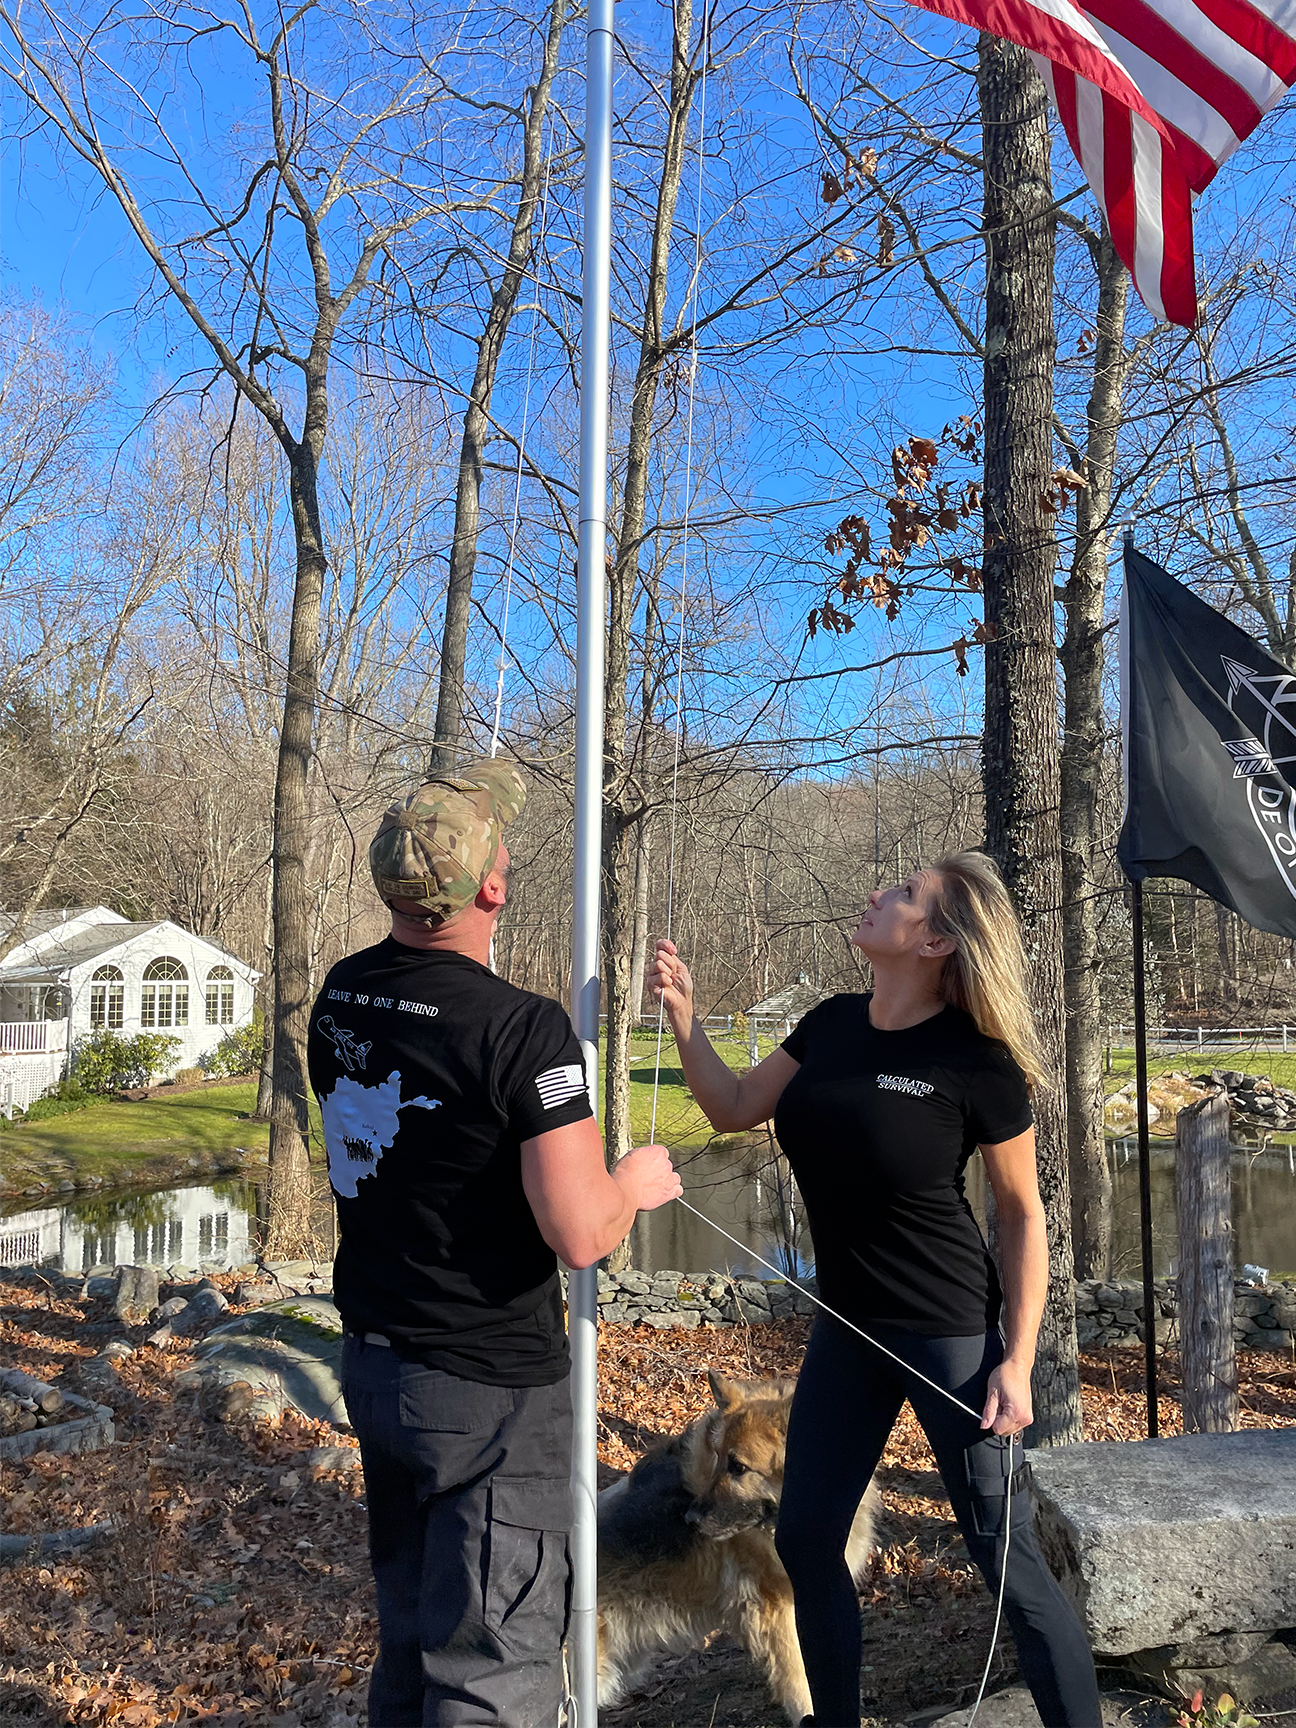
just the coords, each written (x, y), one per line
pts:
(464, 1154)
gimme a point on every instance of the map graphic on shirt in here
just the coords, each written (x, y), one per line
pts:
(360, 1123)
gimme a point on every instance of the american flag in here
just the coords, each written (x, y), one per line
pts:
(1153, 95)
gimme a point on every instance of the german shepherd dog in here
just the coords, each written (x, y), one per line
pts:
(686, 1546)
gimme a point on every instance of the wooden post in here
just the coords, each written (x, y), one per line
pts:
(1210, 1396)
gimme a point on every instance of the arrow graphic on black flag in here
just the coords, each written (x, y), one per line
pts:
(1209, 719)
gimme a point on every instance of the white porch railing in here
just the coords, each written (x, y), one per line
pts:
(32, 1037)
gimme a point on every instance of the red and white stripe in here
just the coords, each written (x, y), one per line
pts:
(1153, 95)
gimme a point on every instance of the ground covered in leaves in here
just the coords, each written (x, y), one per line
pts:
(235, 1587)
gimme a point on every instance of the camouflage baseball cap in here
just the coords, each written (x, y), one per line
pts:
(438, 845)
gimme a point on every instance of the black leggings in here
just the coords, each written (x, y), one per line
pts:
(846, 1403)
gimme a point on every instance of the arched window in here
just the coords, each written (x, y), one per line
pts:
(220, 996)
(107, 998)
(164, 996)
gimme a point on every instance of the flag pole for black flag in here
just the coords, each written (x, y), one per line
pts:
(1144, 1167)
(1144, 1149)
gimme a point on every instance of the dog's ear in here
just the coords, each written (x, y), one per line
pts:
(726, 1394)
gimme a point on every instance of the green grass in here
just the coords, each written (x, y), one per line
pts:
(679, 1120)
(116, 1141)
(109, 1139)
(1280, 1069)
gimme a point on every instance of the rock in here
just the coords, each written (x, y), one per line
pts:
(332, 1458)
(99, 1286)
(228, 1400)
(170, 1308)
(204, 1306)
(288, 1353)
(1014, 1708)
(1165, 1541)
(117, 1350)
(637, 1283)
(1258, 1669)
(85, 1433)
(136, 1295)
(255, 1292)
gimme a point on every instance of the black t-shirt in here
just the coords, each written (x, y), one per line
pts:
(430, 1073)
(878, 1128)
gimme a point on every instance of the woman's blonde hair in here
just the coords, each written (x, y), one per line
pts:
(986, 973)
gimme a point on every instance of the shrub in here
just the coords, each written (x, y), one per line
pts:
(104, 1062)
(237, 1053)
(43, 1108)
(187, 1076)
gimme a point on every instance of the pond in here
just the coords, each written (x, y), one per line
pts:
(744, 1190)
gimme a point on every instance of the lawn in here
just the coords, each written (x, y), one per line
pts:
(121, 1142)
(679, 1121)
(111, 1139)
(1280, 1068)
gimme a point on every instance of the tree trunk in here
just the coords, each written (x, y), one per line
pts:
(1083, 738)
(1020, 760)
(639, 947)
(624, 792)
(289, 1185)
(476, 429)
(1210, 1389)
(265, 1075)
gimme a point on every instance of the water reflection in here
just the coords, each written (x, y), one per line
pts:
(746, 1189)
(206, 1227)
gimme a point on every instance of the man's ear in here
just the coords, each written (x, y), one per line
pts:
(491, 895)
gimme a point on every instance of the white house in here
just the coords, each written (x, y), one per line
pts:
(83, 969)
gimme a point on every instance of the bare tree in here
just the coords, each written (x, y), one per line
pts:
(477, 415)
(267, 278)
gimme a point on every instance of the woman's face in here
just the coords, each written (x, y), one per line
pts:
(894, 922)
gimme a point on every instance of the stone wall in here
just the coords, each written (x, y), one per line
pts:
(1107, 1313)
(1264, 1315)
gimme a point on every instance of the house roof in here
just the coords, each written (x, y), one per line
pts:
(86, 945)
(41, 923)
(789, 1003)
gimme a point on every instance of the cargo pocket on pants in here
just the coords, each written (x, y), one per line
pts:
(527, 1569)
(993, 1473)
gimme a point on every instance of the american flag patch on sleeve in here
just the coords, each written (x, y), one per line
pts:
(560, 1085)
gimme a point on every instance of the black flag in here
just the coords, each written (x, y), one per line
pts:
(1209, 721)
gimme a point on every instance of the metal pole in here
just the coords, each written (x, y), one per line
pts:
(1145, 1168)
(582, 1287)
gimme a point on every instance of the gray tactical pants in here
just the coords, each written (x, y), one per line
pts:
(469, 1498)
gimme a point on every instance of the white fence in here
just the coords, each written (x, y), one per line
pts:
(1268, 1038)
(32, 1037)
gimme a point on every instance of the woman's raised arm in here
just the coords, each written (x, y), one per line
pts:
(730, 1100)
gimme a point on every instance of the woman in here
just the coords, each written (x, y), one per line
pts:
(879, 1101)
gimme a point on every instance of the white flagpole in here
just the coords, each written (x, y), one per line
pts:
(582, 1287)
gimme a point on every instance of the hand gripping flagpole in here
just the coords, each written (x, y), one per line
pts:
(582, 1287)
